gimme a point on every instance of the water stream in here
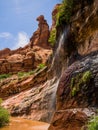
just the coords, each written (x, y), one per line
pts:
(59, 59)
(24, 124)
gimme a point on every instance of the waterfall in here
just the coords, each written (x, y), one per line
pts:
(62, 41)
(57, 64)
(59, 59)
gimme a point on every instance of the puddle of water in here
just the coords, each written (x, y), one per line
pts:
(24, 124)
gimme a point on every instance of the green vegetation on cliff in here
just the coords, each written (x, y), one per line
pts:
(86, 76)
(79, 80)
(52, 38)
(24, 74)
(4, 76)
(65, 12)
(41, 66)
(4, 115)
(21, 75)
(93, 123)
(63, 16)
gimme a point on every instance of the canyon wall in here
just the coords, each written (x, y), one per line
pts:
(65, 90)
(77, 90)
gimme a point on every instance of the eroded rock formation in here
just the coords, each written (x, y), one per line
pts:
(41, 35)
(24, 60)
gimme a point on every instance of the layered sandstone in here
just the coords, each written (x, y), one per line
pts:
(27, 58)
(26, 91)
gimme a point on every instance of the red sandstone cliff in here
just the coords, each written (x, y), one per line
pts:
(28, 75)
(28, 57)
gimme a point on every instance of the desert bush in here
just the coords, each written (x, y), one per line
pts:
(93, 123)
(52, 38)
(4, 116)
(41, 66)
(3, 76)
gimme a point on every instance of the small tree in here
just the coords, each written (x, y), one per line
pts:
(4, 115)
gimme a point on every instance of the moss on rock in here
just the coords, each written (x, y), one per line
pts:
(79, 80)
(52, 38)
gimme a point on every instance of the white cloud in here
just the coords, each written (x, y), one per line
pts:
(5, 35)
(21, 40)
(14, 41)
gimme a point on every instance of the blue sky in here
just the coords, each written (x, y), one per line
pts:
(18, 20)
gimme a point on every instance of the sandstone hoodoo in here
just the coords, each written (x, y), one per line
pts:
(58, 86)
(41, 35)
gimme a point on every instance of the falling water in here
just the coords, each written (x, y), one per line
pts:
(59, 58)
(62, 41)
(53, 96)
(57, 63)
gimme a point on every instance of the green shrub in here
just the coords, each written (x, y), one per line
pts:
(74, 91)
(75, 84)
(31, 72)
(65, 12)
(3, 76)
(93, 123)
(24, 74)
(4, 116)
(52, 38)
(86, 76)
(20, 74)
(79, 80)
(41, 66)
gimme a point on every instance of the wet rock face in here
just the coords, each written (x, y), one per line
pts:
(41, 35)
(78, 84)
(78, 88)
(84, 25)
(77, 93)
